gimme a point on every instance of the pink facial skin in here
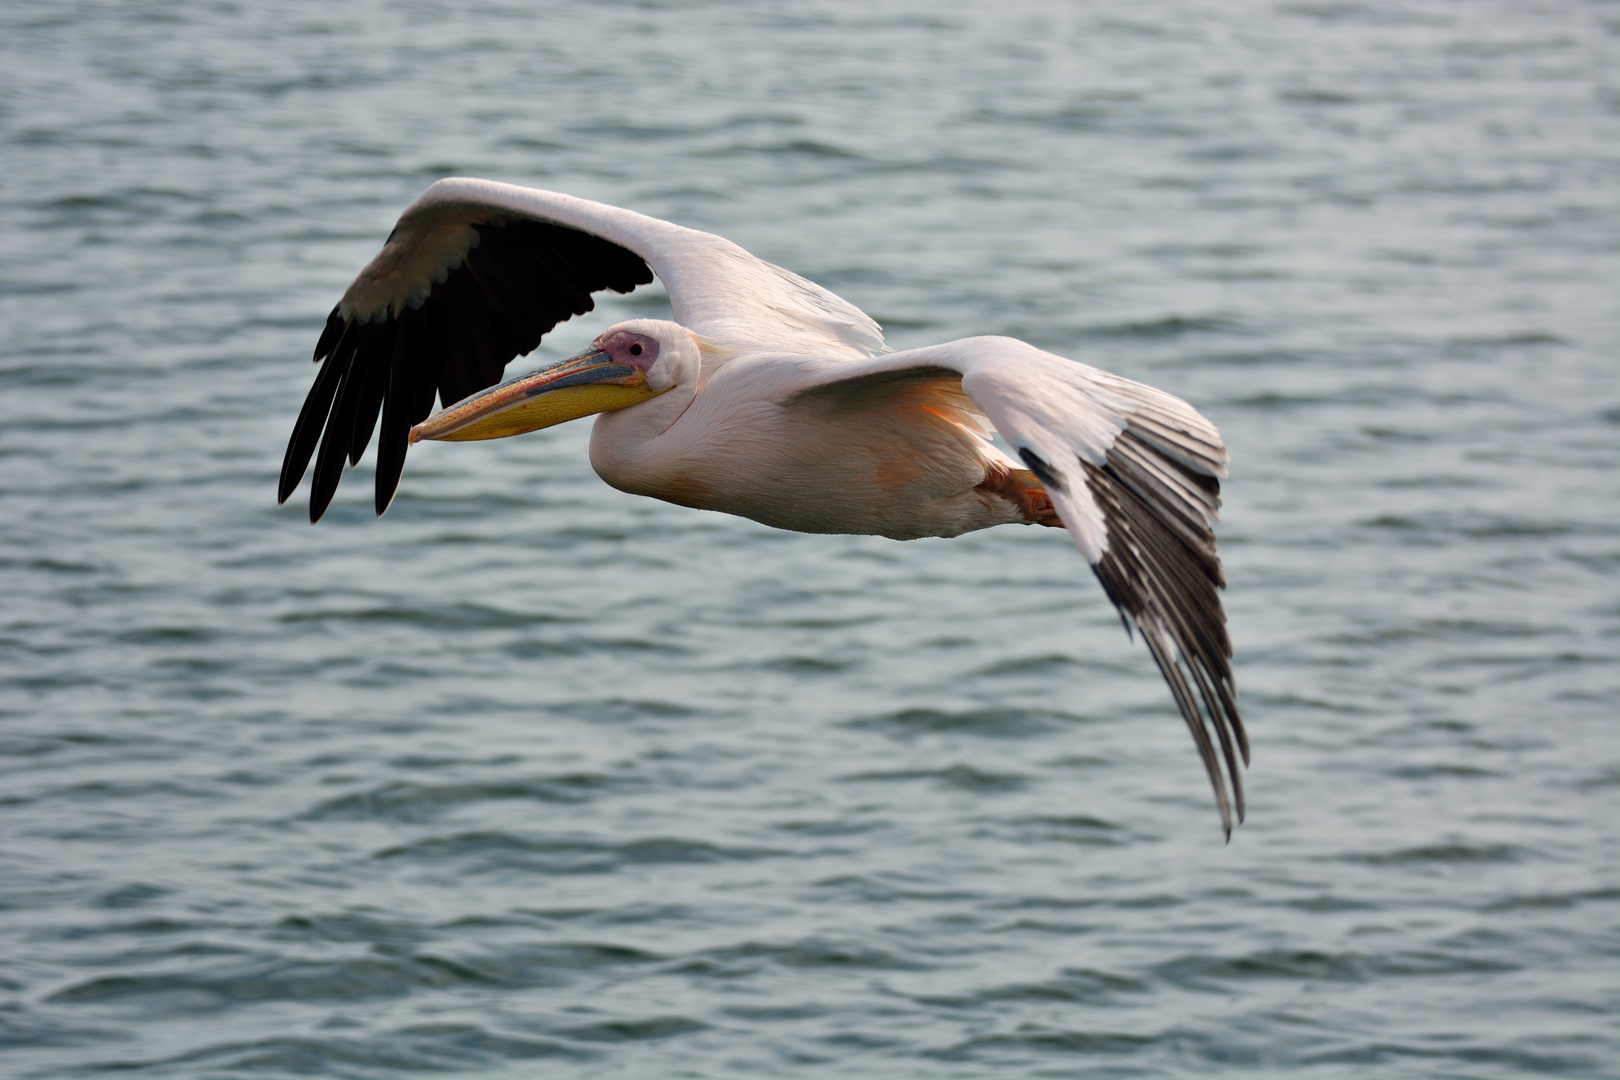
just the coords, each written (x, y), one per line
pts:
(629, 349)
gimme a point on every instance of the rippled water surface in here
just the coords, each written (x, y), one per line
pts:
(532, 777)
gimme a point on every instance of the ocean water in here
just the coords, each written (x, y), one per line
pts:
(531, 777)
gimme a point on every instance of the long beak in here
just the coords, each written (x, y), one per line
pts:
(578, 386)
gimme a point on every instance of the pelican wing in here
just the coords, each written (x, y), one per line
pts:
(476, 273)
(1134, 473)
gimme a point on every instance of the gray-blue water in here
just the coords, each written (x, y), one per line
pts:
(531, 777)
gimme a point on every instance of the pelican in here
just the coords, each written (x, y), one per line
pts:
(773, 399)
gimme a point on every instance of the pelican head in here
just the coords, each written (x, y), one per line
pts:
(629, 363)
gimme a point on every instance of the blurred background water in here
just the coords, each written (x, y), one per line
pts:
(532, 776)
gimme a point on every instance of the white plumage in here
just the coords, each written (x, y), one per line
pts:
(771, 398)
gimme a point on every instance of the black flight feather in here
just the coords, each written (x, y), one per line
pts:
(1160, 570)
(514, 285)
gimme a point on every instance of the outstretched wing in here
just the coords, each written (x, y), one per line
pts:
(1135, 475)
(477, 272)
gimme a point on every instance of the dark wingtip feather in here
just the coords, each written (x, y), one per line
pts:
(328, 471)
(525, 278)
(329, 461)
(331, 333)
(414, 370)
(1161, 570)
(365, 397)
(392, 441)
(307, 430)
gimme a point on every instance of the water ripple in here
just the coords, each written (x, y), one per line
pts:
(532, 775)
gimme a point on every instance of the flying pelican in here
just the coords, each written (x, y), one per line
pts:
(771, 398)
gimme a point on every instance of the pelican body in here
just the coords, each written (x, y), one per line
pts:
(771, 398)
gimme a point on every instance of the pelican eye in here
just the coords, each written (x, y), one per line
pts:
(635, 350)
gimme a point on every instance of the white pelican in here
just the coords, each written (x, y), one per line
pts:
(771, 398)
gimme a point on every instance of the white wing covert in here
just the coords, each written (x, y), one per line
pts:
(1134, 473)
